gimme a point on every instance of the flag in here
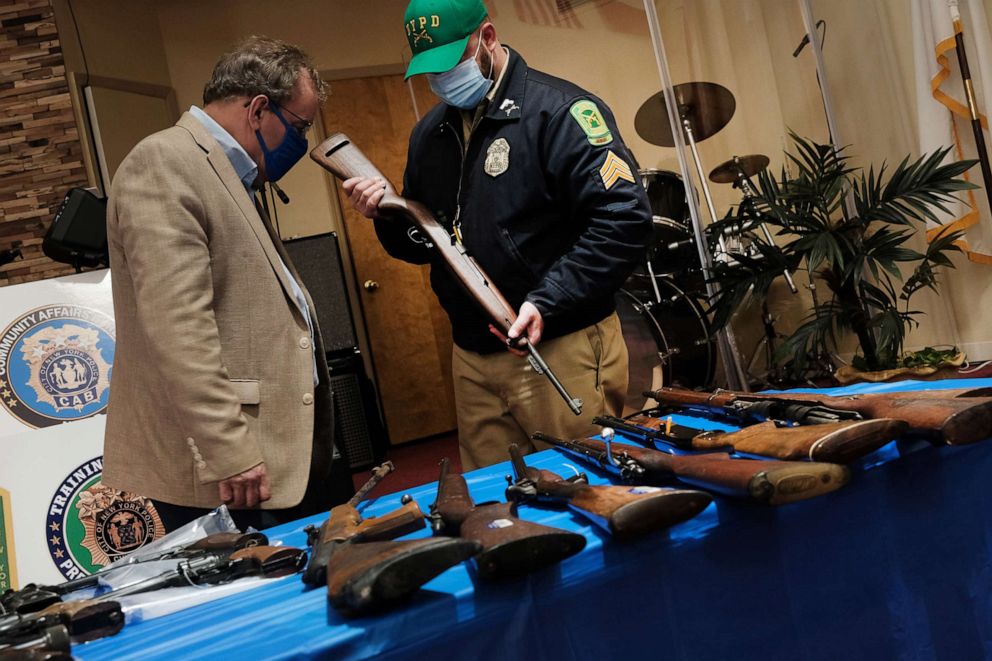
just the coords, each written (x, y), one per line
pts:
(942, 106)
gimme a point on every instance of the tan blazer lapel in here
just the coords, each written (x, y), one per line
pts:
(225, 171)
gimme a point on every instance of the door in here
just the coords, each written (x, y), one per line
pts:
(409, 333)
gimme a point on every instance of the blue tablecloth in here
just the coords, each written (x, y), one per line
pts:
(894, 566)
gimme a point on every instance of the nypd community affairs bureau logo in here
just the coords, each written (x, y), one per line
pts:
(90, 525)
(55, 364)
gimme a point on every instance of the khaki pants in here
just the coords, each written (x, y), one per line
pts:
(500, 400)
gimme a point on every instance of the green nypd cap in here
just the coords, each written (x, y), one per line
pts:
(438, 31)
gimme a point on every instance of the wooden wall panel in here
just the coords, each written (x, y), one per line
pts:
(40, 153)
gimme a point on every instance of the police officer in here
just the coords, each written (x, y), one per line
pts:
(532, 177)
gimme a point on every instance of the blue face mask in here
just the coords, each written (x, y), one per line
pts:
(464, 86)
(291, 149)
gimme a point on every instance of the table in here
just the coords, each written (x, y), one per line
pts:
(894, 565)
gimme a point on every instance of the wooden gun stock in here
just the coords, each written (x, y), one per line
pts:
(511, 547)
(345, 525)
(626, 512)
(372, 576)
(952, 420)
(87, 619)
(833, 442)
(273, 561)
(766, 481)
(344, 160)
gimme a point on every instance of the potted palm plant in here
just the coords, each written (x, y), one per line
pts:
(850, 228)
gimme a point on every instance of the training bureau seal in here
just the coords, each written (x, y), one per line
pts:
(55, 364)
(89, 525)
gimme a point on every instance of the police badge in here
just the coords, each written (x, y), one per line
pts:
(497, 157)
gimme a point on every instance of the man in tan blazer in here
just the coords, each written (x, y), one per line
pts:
(220, 391)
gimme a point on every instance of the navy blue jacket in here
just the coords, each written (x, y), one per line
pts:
(542, 223)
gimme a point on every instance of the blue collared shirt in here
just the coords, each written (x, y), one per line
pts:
(247, 170)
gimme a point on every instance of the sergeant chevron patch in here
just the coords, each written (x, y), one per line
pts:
(613, 169)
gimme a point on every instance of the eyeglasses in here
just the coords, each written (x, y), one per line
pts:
(301, 128)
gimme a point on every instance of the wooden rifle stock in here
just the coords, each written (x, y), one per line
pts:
(511, 547)
(344, 160)
(766, 481)
(832, 442)
(372, 576)
(952, 420)
(626, 512)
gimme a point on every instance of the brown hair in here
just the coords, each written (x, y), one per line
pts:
(260, 65)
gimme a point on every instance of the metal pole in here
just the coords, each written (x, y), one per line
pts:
(726, 344)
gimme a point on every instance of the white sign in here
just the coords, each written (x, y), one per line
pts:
(57, 521)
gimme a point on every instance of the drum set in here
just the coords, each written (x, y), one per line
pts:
(669, 337)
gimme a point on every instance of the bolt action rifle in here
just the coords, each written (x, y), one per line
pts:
(953, 417)
(344, 160)
(833, 442)
(363, 570)
(626, 512)
(87, 619)
(511, 547)
(32, 598)
(765, 481)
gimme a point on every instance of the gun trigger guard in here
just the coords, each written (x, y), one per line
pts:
(417, 237)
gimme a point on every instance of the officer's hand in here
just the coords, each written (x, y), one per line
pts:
(247, 489)
(529, 324)
(365, 194)
(502, 338)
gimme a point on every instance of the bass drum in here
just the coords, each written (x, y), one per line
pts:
(668, 342)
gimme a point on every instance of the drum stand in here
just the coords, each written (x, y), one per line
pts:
(726, 341)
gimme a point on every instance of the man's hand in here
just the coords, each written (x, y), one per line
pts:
(365, 194)
(247, 489)
(529, 323)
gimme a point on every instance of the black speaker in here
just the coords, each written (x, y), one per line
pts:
(318, 261)
(360, 434)
(78, 233)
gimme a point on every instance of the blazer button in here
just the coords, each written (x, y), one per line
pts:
(304, 342)
(201, 465)
(307, 399)
(190, 442)
(197, 457)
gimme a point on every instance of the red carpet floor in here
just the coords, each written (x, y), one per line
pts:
(416, 463)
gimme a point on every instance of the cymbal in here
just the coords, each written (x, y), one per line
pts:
(728, 171)
(707, 106)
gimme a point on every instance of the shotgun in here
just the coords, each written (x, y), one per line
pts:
(832, 442)
(511, 547)
(626, 512)
(345, 524)
(765, 481)
(363, 570)
(32, 598)
(344, 160)
(954, 420)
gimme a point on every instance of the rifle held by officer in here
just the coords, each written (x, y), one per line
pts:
(833, 442)
(511, 547)
(626, 512)
(766, 481)
(953, 420)
(344, 160)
